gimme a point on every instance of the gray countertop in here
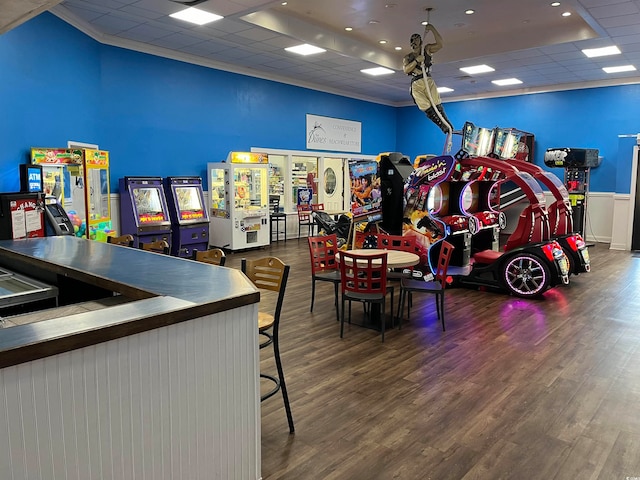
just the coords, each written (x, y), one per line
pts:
(167, 290)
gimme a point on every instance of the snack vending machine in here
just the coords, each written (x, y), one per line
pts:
(189, 218)
(239, 201)
(143, 210)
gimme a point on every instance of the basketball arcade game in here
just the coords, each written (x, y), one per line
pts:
(189, 218)
(143, 210)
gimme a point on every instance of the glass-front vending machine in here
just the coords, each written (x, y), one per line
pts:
(238, 194)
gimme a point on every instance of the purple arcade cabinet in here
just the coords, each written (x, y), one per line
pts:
(143, 210)
(189, 218)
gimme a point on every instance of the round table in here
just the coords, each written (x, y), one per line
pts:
(395, 258)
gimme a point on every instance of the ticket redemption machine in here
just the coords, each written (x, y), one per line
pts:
(577, 164)
(143, 210)
(239, 201)
(189, 218)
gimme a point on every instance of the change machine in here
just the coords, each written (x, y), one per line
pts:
(143, 210)
(239, 201)
(189, 218)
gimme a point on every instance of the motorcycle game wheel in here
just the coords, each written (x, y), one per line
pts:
(502, 220)
(525, 275)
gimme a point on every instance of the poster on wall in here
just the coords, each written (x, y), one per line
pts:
(305, 196)
(366, 198)
(336, 134)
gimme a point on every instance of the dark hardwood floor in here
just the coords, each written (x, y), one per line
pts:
(514, 389)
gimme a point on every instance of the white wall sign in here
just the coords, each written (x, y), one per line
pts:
(326, 133)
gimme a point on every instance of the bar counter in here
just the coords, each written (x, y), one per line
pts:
(163, 386)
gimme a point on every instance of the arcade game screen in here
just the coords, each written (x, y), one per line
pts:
(477, 141)
(149, 205)
(189, 203)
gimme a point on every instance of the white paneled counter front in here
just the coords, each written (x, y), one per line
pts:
(162, 387)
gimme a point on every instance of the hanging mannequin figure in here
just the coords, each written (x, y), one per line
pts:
(417, 64)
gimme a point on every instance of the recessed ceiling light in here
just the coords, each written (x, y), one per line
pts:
(377, 71)
(195, 15)
(444, 89)
(398, 48)
(478, 69)
(622, 68)
(284, 4)
(506, 81)
(374, 22)
(566, 14)
(348, 29)
(555, 4)
(382, 42)
(601, 52)
(305, 49)
(424, 23)
(469, 12)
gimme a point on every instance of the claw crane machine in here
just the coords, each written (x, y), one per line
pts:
(239, 201)
(78, 179)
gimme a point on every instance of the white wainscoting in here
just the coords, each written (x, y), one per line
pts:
(607, 214)
(178, 402)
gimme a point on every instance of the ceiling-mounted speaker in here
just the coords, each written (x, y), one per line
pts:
(189, 3)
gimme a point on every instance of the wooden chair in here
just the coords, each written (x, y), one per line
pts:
(276, 217)
(159, 246)
(214, 256)
(436, 286)
(363, 278)
(305, 220)
(324, 266)
(123, 240)
(271, 274)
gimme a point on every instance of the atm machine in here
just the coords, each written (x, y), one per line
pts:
(143, 210)
(189, 218)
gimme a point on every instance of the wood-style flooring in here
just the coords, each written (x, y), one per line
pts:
(514, 389)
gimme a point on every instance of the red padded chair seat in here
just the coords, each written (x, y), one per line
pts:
(486, 256)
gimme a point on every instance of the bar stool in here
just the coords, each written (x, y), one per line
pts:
(123, 240)
(276, 216)
(270, 273)
(159, 246)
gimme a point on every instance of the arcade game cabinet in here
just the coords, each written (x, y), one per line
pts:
(239, 201)
(394, 169)
(78, 179)
(143, 210)
(189, 218)
(577, 163)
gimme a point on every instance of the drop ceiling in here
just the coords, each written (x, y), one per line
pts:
(526, 39)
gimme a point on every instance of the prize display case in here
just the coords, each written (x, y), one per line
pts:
(239, 201)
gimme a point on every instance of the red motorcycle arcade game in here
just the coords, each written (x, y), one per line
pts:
(459, 199)
(189, 218)
(143, 210)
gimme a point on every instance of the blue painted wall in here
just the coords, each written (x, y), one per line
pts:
(155, 116)
(589, 118)
(164, 117)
